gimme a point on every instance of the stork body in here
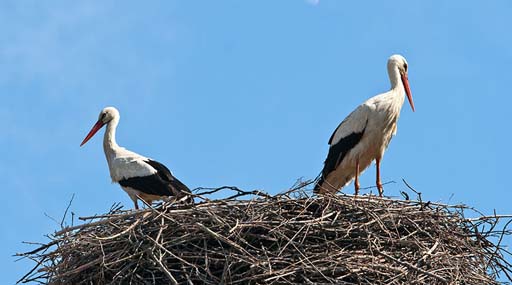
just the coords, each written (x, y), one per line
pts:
(364, 135)
(139, 176)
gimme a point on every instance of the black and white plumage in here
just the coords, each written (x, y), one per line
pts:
(139, 176)
(364, 135)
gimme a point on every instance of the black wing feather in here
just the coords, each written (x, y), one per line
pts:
(151, 184)
(338, 151)
(166, 175)
(162, 183)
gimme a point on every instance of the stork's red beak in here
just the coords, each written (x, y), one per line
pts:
(93, 131)
(405, 81)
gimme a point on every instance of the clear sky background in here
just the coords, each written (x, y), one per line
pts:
(244, 93)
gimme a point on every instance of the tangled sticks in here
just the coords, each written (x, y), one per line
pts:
(289, 238)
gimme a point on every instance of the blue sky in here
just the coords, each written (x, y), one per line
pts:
(244, 93)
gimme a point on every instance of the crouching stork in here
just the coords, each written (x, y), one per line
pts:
(141, 177)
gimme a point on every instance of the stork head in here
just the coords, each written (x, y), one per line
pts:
(397, 63)
(106, 116)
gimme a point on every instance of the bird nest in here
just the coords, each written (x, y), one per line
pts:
(255, 238)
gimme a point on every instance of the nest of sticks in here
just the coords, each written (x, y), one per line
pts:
(255, 238)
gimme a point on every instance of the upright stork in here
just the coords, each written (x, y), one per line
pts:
(139, 176)
(365, 134)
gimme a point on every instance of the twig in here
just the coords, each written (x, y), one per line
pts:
(410, 266)
(164, 269)
(66, 212)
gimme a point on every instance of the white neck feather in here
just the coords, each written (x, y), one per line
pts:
(109, 140)
(397, 93)
(395, 78)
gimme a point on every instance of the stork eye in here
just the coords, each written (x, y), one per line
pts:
(405, 66)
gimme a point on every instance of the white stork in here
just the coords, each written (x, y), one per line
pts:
(139, 176)
(365, 134)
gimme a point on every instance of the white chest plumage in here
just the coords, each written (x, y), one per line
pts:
(124, 166)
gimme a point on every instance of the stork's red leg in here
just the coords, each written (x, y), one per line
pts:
(356, 182)
(379, 183)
